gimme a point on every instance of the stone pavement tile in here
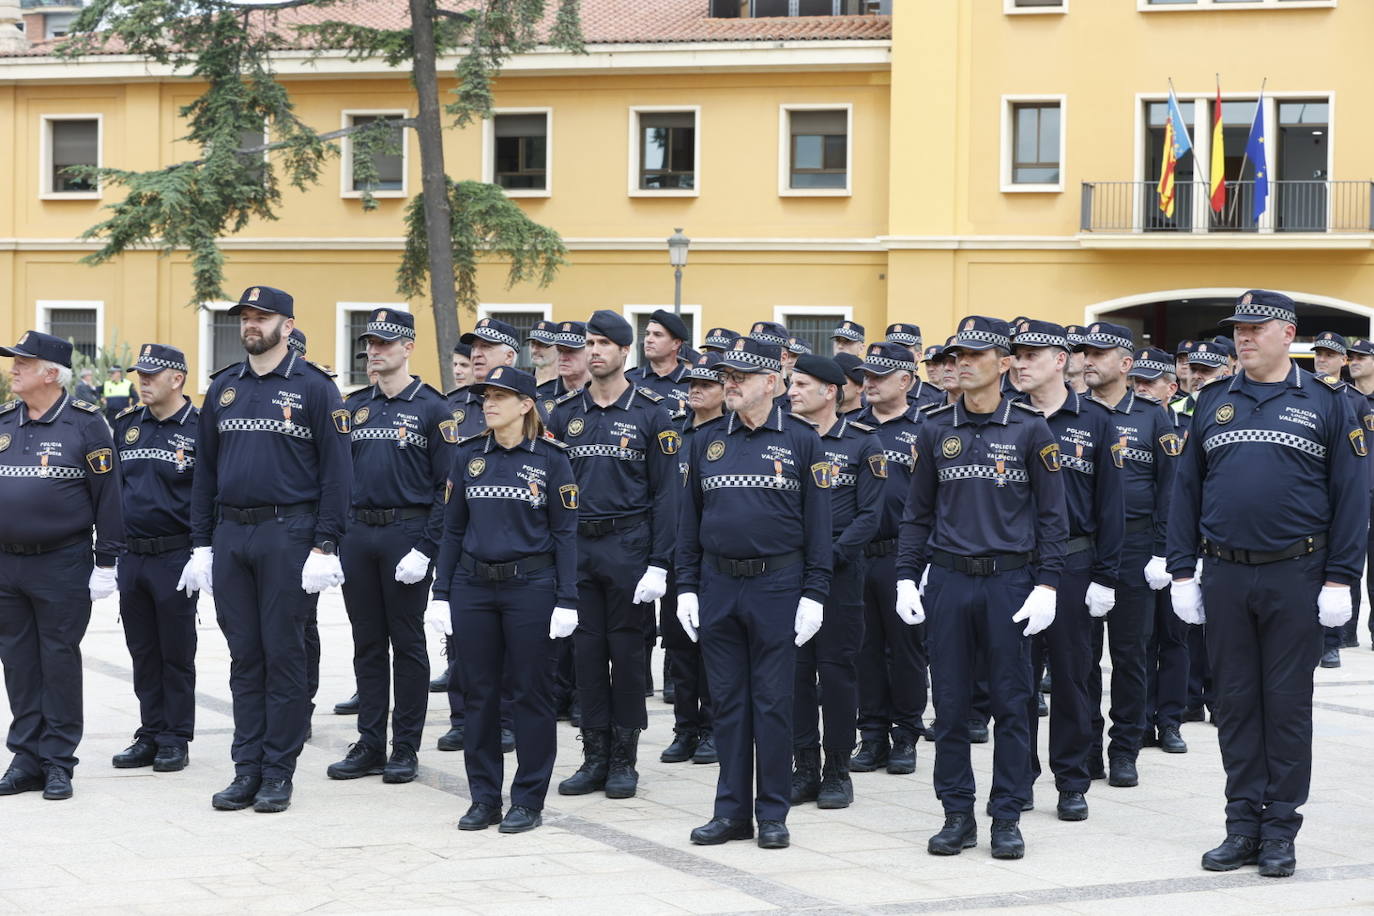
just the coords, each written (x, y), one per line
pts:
(35, 875)
(660, 880)
(745, 856)
(718, 900)
(638, 904)
(1209, 902)
(1292, 896)
(118, 894)
(817, 835)
(1018, 910)
(860, 886)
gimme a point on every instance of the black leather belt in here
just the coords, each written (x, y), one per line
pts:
(599, 527)
(1137, 525)
(500, 572)
(880, 548)
(256, 515)
(750, 567)
(1079, 544)
(982, 566)
(158, 545)
(1259, 558)
(378, 517)
(33, 550)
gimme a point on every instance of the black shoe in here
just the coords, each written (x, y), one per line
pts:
(171, 759)
(774, 835)
(1006, 840)
(403, 766)
(1195, 715)
(16, 781)
(507, 741)
(1171, 742)
(348, 707)
(591, 776)
(706, 750)
(872, 754)
(722, 830)
(1349, 642)
(837, 790)
(1123, 774)
(238, 795)
(622, 779)
(58, 784)
(977, 731)
(1331, 658)
(480, 816)
(141, 753)
(274, 795)
(361, 760)
(681, 750)
(1096, 770)
(1072, 806)
(1277, 858)
(451, 740)
(1234, 851)
(439, 684)
(806, 777)
(959, 833)
(1027, 805)
(519, 819)
(1042, 709)
(902, 758)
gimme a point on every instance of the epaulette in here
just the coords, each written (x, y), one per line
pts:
(426, 386)
(1331, 381)
(9, 405)
(1147, 398)
(126, 411)
(86, 406)
(650, 393)
(862, 427)
(941, 409)
(473, 437)
(929, 406)
(566, 397)
(325, 369)
(1028, 407)
(223, 368)
(357, 391)
(552, 441)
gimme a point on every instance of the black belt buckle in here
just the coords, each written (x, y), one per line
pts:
(376, 517)
(747, 569)
(981, 566)
(500, 572)
(596, 527)
(1311, 543)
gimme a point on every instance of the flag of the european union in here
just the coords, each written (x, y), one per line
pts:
(1254, 151)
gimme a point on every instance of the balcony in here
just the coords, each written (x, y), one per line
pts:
(52, 6)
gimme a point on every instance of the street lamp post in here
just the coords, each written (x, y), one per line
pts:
(677, 256)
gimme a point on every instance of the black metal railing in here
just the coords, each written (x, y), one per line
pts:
(1293, 206)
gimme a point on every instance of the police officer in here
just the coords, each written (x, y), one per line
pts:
(543, 356)
(57, 480)
(852, 395)
(570, 366)
(508, 569)
(662, 372)
(858, 477)
(1149, 447)
(922, 392)
(1095, 505)
(892, 657)
(930, 366)
(1271, 493)
(117, 393)
(268, 508)
(1207, 363)
(460, 366)
(1073, 372)
(753, 592)
(848, 337)
(622, 444)
(719, 339)
(156, 454)
(402, 437)
(1361, 357)
(986, 517)
(775, 334)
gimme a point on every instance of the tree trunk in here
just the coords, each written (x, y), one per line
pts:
(434, 182)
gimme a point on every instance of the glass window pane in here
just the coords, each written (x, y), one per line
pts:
(389, 167)
(507, 154)
(836, 151)
(763, 8)
(1026, 118)
(1035, 175)
(73, 143)
(810, 180)
(1315, 112)
(684, 149)
(808, 152)
(819, 122)
(226, 346)
(536, 152)
(814, 329)
(816, 7)
(655, 148)
(76, 325)
(355, 373)
(1049, 134)
(526, 125)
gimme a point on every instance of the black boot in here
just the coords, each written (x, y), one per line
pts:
(1072, 806)
(1006, 840)
(451, 740)
(872, 755)
(977, 731)
(403, 766)
(1171, 742)
(591, 776)
(959, 833)
(1123, 773)
(681, 750)
(141, 753)
(439, 684)
(361, 760)
(622, 779)
(238, 795)
(1234, 851)
(806, 774)
(902, 759)
(837, 790)
(1277, 859)
(171, 758)
(348, 707)
(706, 750)
(274, 796)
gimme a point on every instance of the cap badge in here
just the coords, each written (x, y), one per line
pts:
(24, 338)
(147, 349)
(739, 344)
(968, 325)
(1095, 329)
(483, 322)
(381, 316)
(567, 325)
(1246, 299)
(253, 294)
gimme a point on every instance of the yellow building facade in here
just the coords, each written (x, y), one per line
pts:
(976, 156)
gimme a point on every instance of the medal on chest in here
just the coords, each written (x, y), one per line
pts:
(286, 414)
(42, 465)
(401, 440)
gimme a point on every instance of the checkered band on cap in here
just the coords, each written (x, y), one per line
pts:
(720, 337)
(1152, 365)
(495, 335)
(975, 336)
(1102, 340)
(890, 365)
(1040, 339)
(753, 359)
(1252, 310)
(1074, 338)
(541, 333)
(389, 329)
(153, 362)
(705, 374)
(768, 337)
(1207, 356)
(847, 331)
(904, 338)
(570, 339)
(1329, 342)
(295, 343)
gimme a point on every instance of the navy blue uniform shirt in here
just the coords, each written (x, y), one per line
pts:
(757, 493)
(923, 393)
(466, 408)
(1267, 465)
(402, 449)
(673, 387)
(858, 477)
(157, 463)
(1149, 446)
(273, 440)
(58, 477)
(898, 438)
(507, 504)
(548, 393)
(985, 485)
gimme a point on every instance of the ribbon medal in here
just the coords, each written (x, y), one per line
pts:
(1001, 472)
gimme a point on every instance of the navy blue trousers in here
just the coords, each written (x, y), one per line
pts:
(388, 630)
(1166, 662)
(262, 611)
(692, 691)
(747, 633)
(45, 606)
(501, 630)
(965, 615)
(610, 636)
(160, 631)
(1199, 672)
(457, 706)
(1263, 642)
(831, 656)
(1067, 645)
(1128, 626)
(892, 660)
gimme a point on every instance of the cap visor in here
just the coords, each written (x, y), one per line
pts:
(742, 367)
(240, 306)
(877, 370)
(971, 345)
(1148, 374)
(148, 370)
(480, 388)
(1247, 319)
(15, 351)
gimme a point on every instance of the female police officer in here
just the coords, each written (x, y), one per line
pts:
(508, 559)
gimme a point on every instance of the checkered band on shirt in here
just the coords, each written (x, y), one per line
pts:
(749, 482)
(1040, 339)
(983, 337)
(156, 454)
(1074, 463)
(1265, 311)
(1153, 365)
(886, 363)
(494, 336)
(755, 359)
(982, 472)
(604, 451)
(1144, 456)
(389, 327)
(389, 434)
(10, 470)
(1102, 340)
(905, 459)
(902, 337)
(523, 494)
(1265, 437)
(844, 480)
(160, 363)
(294, 430)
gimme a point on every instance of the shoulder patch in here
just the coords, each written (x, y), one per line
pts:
(126, 411)
(86, 406)
(1172, 444)
(222, 369)
(650, 393)
(567, 397)
(861, 427)
(1331, 381)
(9, 405)
(1028, 407)
(325, 369)
(1049, 456)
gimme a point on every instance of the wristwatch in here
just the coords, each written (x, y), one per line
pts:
(326, 547)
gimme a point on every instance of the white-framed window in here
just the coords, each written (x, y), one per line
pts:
(665, 151)
(1023, 7)
(638, 317)
(349, 324)
(82, 321)
(815, 150)
(66, 140)
(516, 147)
(1033, 132)
(522, 316)
(219, 341)
(813, 323)
(391, 168)
(1154, 6)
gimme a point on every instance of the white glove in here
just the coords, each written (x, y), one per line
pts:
(1333, 604)
(687, 614)
(909, 603)
(1197, 571)
(1186, 597)
(413, 567)
(810, 616)
(196, 575)
(320, 571)
(563, 622)
(103, 582)
(652, 586)
(438, 618)
(1156, 576)
(1037, 611)
(1100, 599)
(925, 577)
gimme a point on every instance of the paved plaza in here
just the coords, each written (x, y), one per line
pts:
(135, 841)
